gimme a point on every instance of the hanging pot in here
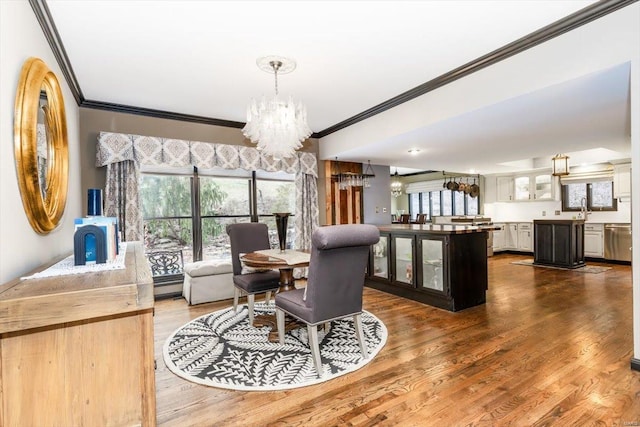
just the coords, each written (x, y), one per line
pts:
(462, 186)
(452, 185)
(467, 187)
(475, 189)
(444, 184)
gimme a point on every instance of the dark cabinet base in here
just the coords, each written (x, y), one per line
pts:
(461, 280)
(433, 299)
(559, 243)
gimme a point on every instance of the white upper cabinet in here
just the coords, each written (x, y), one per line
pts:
(544, 186)
(537, 186)
(523, 188)
(622, 181)
(504, 189)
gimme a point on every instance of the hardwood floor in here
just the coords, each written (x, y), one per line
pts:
(550, 347)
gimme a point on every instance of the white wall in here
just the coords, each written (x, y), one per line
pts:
(21, 248)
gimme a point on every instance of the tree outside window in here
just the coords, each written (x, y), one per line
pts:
(596, 196)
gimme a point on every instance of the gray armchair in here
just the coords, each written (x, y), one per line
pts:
(246, 238)
(335, 283)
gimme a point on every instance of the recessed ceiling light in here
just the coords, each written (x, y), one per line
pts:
(414, 151)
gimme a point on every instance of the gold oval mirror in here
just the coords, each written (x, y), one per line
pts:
(40, 146)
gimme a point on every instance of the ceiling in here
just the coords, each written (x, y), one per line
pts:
(199, 58)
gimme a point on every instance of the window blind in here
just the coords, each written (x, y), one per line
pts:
(586, 174)
(424, 187)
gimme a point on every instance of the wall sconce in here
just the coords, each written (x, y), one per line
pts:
(560, 165)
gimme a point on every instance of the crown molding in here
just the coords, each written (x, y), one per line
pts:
(575, 20)
(120, 108)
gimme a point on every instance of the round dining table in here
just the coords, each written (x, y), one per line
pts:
(285, 262)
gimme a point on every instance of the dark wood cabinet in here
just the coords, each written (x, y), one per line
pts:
(559, 243)
(443, 266)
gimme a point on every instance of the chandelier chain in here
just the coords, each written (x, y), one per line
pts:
(276, 66)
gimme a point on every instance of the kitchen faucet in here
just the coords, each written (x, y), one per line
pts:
(584, 212)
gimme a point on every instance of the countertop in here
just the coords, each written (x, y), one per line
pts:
(437, 229)
(36, 303)
(558, 221)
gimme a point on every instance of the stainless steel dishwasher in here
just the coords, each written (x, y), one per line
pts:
(617, 242)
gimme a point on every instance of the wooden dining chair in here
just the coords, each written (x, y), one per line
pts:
(339, 256)
(421, 219)
(405, 218)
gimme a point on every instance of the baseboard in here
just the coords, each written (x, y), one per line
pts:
(168, 295)
(635, 364)
(511, 252)
(167, 290)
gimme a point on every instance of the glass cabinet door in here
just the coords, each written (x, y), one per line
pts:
(432, 255)
(522, 188)
(380, 258)
(403, 260)
(543, 187)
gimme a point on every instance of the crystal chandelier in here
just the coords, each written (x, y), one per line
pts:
(396, 185)
(278, 127)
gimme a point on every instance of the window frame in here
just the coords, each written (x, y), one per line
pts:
(425, 203)
(564, 190)
(197, 217)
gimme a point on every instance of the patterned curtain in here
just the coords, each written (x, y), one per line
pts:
(122, 199)
(124, 153)
(306, 218)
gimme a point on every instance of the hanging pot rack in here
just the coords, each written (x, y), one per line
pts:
(471, 189)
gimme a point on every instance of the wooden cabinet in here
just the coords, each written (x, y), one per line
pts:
(402, 256)
(440, 265)
(380, 258)
(594, 240)
(559, 243)
(525, 237)
(78, 349)
(622, 181)
(504, 189)
(498, 238)
(511, 236)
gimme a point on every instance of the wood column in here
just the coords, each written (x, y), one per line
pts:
(342, 206)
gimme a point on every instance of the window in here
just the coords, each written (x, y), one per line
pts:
(414, 204)
(435, 203)
(458, 203)
(444, 202)
(472, 205)
(447, 202)
(276, 196)
(189, 210)
(596, 196)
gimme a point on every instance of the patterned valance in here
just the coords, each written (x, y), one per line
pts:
(155, 151)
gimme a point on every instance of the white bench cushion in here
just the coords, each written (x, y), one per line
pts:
(207, 268)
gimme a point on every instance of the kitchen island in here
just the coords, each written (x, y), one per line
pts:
(558, 242)
(441, 265)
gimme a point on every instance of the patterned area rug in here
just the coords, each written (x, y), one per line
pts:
(585, 269)
(221, 349)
